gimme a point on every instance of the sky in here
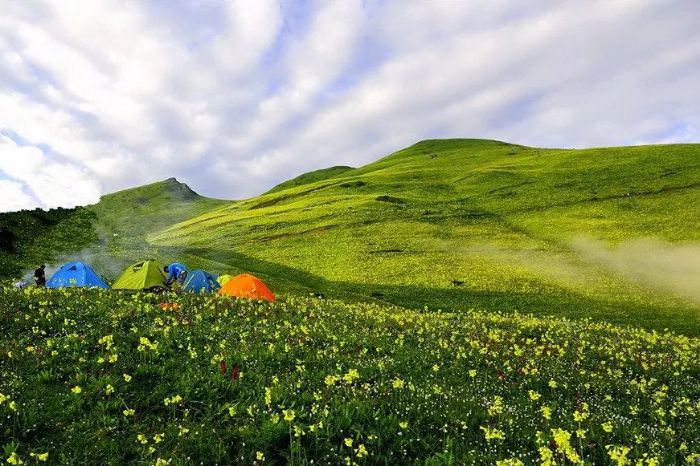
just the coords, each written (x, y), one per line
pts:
(233, 97)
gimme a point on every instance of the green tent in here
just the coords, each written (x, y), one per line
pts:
(141, 276)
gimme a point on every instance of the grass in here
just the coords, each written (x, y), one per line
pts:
(311, 177)
(103, 378)
(450, 224)
(459, 224)
(548, 315)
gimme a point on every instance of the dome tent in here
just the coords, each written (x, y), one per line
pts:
(247, 286)
(199, 281)
(223, 279)
(140, 276)
(75, 274)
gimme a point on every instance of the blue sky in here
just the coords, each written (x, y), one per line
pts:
(234, 97)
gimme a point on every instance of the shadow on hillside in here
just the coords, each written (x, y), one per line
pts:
(548, 301)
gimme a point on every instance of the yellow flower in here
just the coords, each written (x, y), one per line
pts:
(12, 405)
(288, 415)
(76, 389)
(268, 396)
(158, 437)
(546, 412)
(607, 426)
(534, 396)
(361, 451)
(397, 383)
(472, 373)
(2, 398)
(182, 431)
(618, 454)
(141, 439)
(490, 433)
(496, 407)
(510, 462)
(127, 378)
(351, 376)
(129, 412)
(403, 424)
(14, 459)
(259, 456)
(109, 389)
(348, 442)
(552, 383)
(331, 379)
(43, 457)
(231, 411)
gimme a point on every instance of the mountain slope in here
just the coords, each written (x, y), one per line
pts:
(108, 234)
(471, 223)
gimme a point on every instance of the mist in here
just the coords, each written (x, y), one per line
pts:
(653, 263)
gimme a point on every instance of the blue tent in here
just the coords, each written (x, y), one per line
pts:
(199, 281)
(75, 274)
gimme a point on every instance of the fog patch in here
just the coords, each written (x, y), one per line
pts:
(654, 263)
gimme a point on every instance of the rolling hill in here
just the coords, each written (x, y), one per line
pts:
(108, 234)
(603, 233)
(456, 224)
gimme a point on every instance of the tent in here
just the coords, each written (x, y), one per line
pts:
(223, 279)
(199, 281)
(75, 274)
(247, 286)
(141, 276)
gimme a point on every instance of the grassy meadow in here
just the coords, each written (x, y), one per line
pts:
(456, 302)
(100, 377)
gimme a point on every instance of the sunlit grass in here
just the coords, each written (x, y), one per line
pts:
(103, 377)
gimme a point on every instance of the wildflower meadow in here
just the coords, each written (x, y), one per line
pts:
(99, 377)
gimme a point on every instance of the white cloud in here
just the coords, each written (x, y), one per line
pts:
(13, 197)
(235, 96)
(40, 181)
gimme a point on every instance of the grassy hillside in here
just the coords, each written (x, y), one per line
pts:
(108, 234)
(460, 224)
(311, 177)
(30, 238)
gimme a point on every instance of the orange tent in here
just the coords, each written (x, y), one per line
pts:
(247, 286)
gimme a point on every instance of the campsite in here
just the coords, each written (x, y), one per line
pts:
(315, 368)
(350, 232)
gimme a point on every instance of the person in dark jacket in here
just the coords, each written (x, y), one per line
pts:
(40, 276)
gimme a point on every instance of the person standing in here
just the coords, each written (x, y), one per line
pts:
(40, 276)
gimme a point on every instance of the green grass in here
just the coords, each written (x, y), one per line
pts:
(311, 177)
(460, 224)
(318, 379)
(448, 224)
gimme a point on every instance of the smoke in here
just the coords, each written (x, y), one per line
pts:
(653, 263)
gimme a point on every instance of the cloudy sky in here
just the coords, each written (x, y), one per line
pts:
(233, 97)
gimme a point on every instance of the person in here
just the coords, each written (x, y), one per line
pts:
(40, 276)
(174, 271)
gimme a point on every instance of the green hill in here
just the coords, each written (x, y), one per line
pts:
(606, 233)
(460, 224)
(108, 234)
